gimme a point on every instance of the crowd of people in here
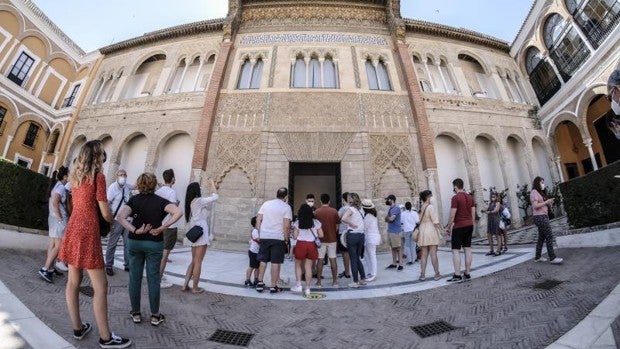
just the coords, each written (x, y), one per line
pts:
(146, 217)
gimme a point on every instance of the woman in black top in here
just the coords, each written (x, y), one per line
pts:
(146, 242)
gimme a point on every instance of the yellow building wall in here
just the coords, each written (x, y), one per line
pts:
(9, 22)
(50, 89)
(34, 153)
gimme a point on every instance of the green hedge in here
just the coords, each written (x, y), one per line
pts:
(24, 196)
(593, 199)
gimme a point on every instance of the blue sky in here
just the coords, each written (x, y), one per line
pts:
(96, 23)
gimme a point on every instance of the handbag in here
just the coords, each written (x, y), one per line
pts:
(343, 238)
(104, 226)
(416, 231)
(317, 241)
(194, 233)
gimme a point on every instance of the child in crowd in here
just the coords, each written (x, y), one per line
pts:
(253, 254)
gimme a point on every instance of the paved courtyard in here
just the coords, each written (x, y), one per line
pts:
(501, 309)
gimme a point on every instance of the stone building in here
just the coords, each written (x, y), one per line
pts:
(329, 96)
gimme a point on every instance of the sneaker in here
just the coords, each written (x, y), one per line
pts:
(490, 253)
(307, 292)
(455, 278)
(371, 278)
(136, 317)
(409, 263)
(156, 320)
(556, 260)
(343, 275)
(109, 271)
(115, 342)
(164, 283)
(61, 266)
(56, 272)
(391, 266)
(541, 259)
(296, 288)
(400, 268)
(354, 285)
(362, 282)
(46, 275)
(260, 287)
(79, 334)
(467, 277)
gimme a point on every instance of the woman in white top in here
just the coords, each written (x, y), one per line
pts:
(57, 222)
(372, 239)
(196, 214)
(306, 252)
(354, 217)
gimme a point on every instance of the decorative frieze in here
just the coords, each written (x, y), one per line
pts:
(238, 151)
(315, 146)
(318, 38)
(391, 151)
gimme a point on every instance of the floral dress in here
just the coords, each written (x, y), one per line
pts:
(81, 245)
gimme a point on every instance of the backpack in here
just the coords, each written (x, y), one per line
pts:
(506, 216)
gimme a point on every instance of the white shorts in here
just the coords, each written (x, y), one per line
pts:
(330, 248)
(56, 228)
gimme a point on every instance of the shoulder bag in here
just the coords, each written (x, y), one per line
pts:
(104, 226)
(317, 241)
(416, 231)
(194, 233)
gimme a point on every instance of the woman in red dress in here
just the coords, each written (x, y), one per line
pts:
(81, 246)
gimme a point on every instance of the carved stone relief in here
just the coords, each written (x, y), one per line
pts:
(315, 146)
(238, 151)
(391, 151)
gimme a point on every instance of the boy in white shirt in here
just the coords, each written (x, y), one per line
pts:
(253, 255)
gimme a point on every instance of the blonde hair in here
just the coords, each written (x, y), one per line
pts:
(88, 162)
(357, 203)
(146, 183)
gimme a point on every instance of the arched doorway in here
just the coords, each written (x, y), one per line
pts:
(176, 153)
(451, 164)
(488, 165)
(573, 153)
(603, 140)
(133, 157)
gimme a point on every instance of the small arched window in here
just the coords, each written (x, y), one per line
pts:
(371, 73)
(314, 73)
(250, 74)
(330, 77)
(378, 77)
(542, 76)
(299, 73)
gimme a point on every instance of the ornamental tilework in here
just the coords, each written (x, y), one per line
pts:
(325, 38)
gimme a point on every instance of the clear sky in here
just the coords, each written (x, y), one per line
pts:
(96, 23)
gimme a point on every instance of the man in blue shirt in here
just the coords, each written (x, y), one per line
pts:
(394, 229)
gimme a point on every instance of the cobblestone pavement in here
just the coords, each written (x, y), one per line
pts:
(499, 310)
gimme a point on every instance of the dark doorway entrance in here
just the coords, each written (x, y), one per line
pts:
(315, 178)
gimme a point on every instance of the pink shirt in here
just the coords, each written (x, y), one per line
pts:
(536, 197)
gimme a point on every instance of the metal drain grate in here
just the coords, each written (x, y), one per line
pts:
(241, 339)
(87, 291)
(433, 329)
(547, 284)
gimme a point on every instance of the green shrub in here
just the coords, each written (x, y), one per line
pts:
(593, 199)
(24, 196)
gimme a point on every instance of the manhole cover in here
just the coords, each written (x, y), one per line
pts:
(316, 296)
(433, 329)
(547, 284)
(87, 291)
(241, 339)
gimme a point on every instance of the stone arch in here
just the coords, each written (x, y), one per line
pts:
(565, 116)
(146, 56)
(132, 154)
(73, 149)
(17, 14)
(482, 62)
(37, 34)
(586, 97)
(175, 150)
(517, 159)
(487, 152)
(219, 179)
(11, 106)
(28, 116)
(431, 57)
(163, 140)
(452, 162)
(63, 56)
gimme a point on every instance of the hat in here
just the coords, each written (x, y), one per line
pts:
(391, 197)
(367, 203)
(614, 80)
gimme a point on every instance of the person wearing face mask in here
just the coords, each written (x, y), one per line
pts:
(540, 207)
(394, 229)
(613, 92)
(310, 201)
(118, 193)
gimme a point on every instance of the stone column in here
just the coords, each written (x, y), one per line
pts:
(558, 165)
(588, 143)
(198, 74)
(6, 146)
(443, 79)
(430, 77)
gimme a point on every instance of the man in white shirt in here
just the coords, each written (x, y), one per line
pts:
(273, 222)
(118, 193)
(170, 234)
(409, 219)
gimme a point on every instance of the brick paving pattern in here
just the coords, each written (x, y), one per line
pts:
(499, 310)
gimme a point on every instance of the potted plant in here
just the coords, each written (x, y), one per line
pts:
(523, 194)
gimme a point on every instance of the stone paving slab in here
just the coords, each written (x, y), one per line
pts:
(499, 310)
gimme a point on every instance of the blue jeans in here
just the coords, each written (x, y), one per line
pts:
(409, 246)
(355, 246)
(151, 252)
(116, 233)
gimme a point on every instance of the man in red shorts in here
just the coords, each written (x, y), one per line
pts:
(461, 224)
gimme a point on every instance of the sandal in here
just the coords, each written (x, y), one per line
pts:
(422, 278)
(198, 290)
(275, 289)
(437, 276)
(136, 317)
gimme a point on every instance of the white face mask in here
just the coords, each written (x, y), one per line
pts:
(310, 203)
(542, 186)
(121, 180)
(615, 106)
